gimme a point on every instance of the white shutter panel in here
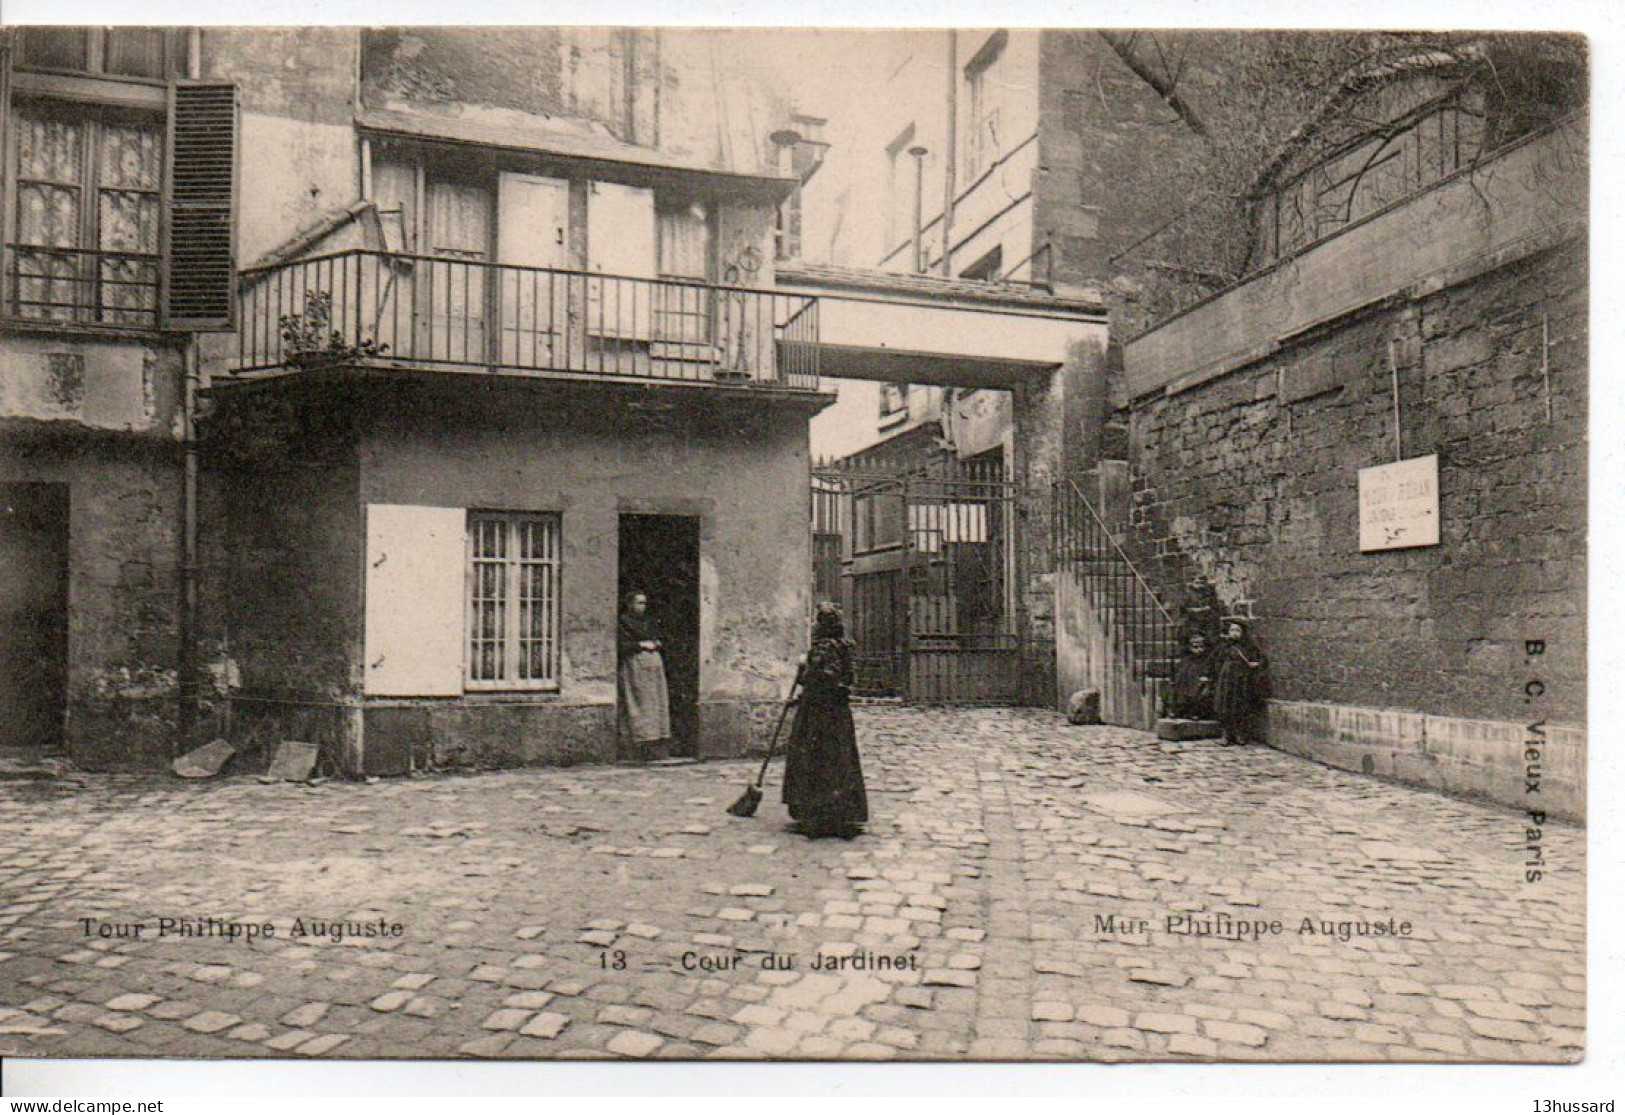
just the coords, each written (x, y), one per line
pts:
(620, 241)
(621, 230)
(414, 605)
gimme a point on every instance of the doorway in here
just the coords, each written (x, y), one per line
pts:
(660, 557)
(33, 616)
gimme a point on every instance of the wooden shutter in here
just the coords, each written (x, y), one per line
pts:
(413, 629)
(200, 279)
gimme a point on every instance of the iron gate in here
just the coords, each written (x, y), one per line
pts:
(925, 562)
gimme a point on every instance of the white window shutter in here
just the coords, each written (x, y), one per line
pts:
(621, 230)
(414, 604)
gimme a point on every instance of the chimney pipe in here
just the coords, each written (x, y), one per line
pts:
(919, 154)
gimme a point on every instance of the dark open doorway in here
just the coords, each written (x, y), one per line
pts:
(660, 557)
(33, 615)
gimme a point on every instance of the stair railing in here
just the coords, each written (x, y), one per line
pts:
(1143, 633)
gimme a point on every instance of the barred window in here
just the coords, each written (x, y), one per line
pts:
(513, 601)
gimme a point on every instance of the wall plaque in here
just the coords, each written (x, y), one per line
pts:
(1399, 505)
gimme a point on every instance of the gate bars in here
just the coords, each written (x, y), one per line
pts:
(925, 560)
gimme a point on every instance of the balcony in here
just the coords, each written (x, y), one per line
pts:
(384, 309)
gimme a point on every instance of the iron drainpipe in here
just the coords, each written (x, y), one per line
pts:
(186, 672)
(919, 154)
(186, 667)
(950, 170)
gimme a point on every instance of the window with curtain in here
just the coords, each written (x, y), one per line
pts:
(85, 228)
(513, 601)
(683, 312)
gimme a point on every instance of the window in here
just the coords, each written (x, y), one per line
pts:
(893, 400)
(988, 268)
(88, 191)
(513, 601)
(682, 312)
(143, 52)
(96, 147)
(982, 89)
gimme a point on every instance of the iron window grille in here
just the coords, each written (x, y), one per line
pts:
(513, 602)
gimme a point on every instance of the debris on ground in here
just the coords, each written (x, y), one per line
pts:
(204, 762)
(293, 762)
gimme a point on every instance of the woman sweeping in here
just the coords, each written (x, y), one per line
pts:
(823, 778)
(1239, 685)
(645, 709)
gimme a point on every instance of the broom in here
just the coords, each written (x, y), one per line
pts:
(752, 797)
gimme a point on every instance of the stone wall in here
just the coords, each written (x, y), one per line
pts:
(1252, 477)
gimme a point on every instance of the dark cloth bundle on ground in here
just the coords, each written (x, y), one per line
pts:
(823, 777)
(1240, 687)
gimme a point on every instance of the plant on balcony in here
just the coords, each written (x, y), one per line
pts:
(309, 338)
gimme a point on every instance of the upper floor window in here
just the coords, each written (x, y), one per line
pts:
(98, 143)
(88, 190)
(988, 269)
(143, 52)
(982, 139)
(893, 401)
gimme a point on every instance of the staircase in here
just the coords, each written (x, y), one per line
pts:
(1113, 634)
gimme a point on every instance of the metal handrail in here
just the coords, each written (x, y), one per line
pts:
(1122, 556)
(571, 272)
(408, 309)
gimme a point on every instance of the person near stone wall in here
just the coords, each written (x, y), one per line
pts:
(1240, 685)
(1191, 695)
(823, 776)
(645, 706)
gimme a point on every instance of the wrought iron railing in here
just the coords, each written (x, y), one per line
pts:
(83, 286)
(1143, 634)
(437, 310)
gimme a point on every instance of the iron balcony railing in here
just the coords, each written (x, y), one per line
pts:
(83, 286)
(1143, 633)
(428, 311)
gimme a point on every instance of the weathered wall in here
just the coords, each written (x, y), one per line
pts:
(1252, 475)
(123, 586)
(296, 89)
(281, 550)
(1102, 134)
(741, 469)
(102, 417)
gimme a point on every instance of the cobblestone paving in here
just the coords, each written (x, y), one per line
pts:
(1001, 842)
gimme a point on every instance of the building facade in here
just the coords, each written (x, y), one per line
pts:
(352, 378)
(1013, 146)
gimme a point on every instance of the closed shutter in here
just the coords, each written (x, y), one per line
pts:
(414, 606)
(621, 230)
(200, 278)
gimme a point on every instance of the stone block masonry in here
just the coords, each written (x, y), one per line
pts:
(1252, 476)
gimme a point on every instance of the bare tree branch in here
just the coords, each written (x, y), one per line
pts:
(1165, 86)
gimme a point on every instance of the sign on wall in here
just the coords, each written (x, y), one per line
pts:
(1399, 505)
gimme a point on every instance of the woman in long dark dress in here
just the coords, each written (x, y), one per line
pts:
(645, 708)
(1239, 685)
(823, 777)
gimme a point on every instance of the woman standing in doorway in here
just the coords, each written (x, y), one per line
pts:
(645, 707)
(823, 777)
(1238, 688)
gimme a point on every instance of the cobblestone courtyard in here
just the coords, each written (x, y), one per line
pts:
(1001, 844)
